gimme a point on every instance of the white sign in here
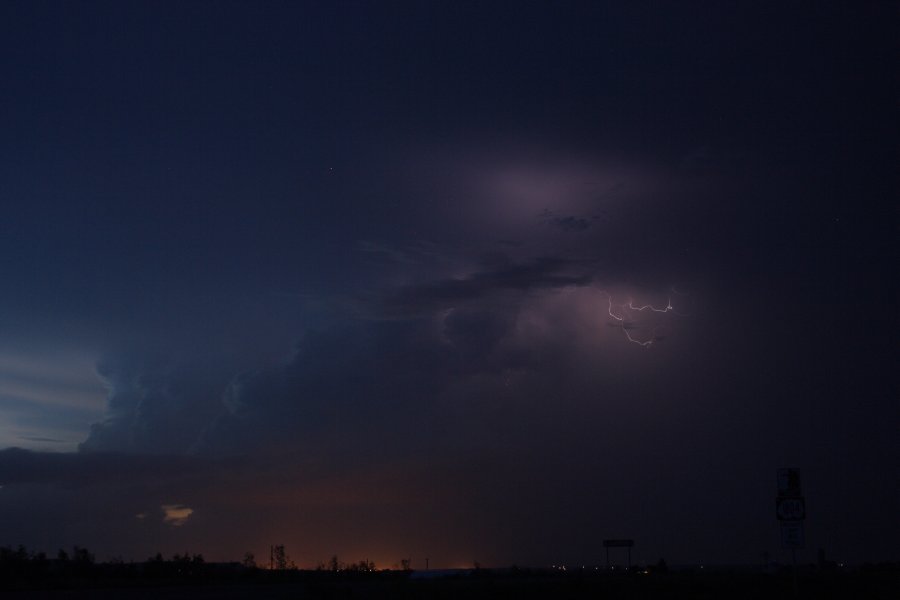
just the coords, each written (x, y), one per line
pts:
(790, 509)
(789, 483)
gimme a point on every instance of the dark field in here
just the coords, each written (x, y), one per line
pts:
(857, 584)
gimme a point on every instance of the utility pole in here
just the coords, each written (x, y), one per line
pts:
(796, 586)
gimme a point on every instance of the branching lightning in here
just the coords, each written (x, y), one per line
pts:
(620, 313)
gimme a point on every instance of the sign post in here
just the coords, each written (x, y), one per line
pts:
(618, 544)
(790, 509)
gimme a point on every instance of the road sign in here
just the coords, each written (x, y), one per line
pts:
(790, 509)
(792, 535)
(618, 543)
(789, 483)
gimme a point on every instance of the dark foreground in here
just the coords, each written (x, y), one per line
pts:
(856, 584)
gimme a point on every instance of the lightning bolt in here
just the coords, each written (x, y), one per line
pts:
(620, 313)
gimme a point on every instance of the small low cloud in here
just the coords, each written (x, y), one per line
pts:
(176, 515)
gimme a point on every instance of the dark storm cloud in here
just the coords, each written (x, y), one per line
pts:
(538, 274)
(571, 223)
(153, 406)
(342, 381)
(361, 388)
(566, 223)
(369, 383)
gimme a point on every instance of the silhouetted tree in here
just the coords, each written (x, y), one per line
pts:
(334, 564)
(181, 564)
(20, 554)
(249, 561)
(281, 560)
(19, 565)
(362, 566)
(81, 556)
(80, 562)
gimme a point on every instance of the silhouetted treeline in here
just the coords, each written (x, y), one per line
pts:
(21, 565)
(77, 569)
(21, 568)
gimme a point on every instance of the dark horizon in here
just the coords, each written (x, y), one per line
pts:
(446, 278)
(186, 576)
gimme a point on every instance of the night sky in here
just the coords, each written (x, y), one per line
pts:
(473, 281)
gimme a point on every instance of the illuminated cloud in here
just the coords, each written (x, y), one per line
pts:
(176, 514)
